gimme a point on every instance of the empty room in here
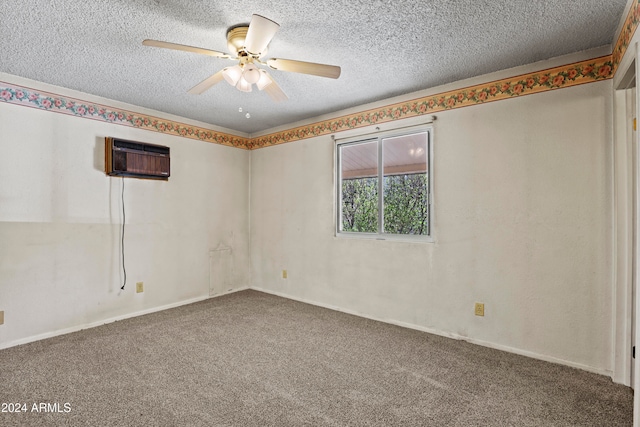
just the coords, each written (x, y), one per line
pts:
(331, 213)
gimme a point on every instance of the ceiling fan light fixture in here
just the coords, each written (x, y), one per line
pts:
(264, 80)
(232, 74)
(251, 73)
(243, 85)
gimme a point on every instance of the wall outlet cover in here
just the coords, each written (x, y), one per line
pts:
(139, 287)
(479, 309)
(284, 274)
(2, 317)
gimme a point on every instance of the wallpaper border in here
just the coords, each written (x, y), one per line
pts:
(541, 81)
(28, 97)
(626, 34)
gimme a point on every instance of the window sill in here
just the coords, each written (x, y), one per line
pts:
(386, 237)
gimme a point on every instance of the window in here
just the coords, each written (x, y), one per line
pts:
(384, 185)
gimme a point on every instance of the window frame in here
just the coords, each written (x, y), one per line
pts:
(378, 137)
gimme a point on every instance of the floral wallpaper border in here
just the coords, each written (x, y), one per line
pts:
(28, 97)
(626, 34)
(541, 81)
(554, 78)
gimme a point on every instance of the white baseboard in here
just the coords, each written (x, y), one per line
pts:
(328, 306)
(489, 344)
(111, 320)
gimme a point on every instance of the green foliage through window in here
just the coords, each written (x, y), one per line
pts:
(360, 205)
(405, 204)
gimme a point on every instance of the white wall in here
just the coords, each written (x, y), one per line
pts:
(523, 222)
(60, 219)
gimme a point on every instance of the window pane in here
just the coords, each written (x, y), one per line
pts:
(359, 193)
(405, 185)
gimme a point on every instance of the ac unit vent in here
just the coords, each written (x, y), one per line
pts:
(136, 159)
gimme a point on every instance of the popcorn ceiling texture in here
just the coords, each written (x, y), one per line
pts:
(385, 48)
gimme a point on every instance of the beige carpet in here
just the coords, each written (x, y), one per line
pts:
(252, 359)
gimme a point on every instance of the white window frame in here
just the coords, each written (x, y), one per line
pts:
(379, 136)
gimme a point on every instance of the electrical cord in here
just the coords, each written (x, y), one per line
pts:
(124, 270)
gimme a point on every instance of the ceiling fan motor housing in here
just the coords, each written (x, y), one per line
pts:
(236, 39)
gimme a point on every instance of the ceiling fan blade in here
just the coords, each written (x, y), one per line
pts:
(175, 46)
(206, 83)
(261, 31)
(275, 92)
(322, 70)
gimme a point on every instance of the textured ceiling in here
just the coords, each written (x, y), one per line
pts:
(385, 48)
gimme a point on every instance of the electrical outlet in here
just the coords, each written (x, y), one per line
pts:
(2, 317)
(139, 287)
(479, 309)
(284, 274)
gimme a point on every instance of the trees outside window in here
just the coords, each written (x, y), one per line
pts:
(360, 205)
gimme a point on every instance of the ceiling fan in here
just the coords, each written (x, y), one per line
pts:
(249, 44)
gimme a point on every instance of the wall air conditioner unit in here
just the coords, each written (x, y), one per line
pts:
(136, 159)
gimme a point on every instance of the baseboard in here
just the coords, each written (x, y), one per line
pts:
(489, 344)
(112, 319)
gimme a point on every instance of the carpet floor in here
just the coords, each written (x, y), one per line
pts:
(253, 359)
